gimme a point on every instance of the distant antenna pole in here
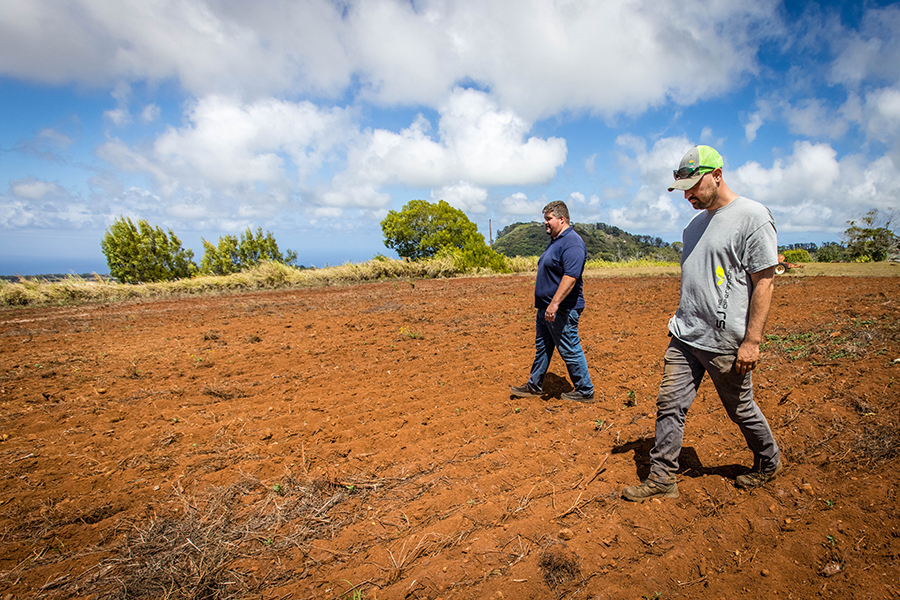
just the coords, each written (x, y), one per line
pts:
(490, 233)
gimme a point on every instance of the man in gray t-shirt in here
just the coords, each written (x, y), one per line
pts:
(727, 269)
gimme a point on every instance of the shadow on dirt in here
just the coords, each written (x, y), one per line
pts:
(690, 464)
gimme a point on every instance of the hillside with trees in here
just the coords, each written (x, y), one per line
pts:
(604, 242)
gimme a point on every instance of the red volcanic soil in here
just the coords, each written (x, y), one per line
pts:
(361, 442)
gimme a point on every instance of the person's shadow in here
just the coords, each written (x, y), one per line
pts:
(689, 464)
(554, 385)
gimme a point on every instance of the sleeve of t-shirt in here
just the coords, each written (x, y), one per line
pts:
(573, 260)
(762, 248)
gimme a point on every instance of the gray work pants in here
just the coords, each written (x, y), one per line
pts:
(684, 370)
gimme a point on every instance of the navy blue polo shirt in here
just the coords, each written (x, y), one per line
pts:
(565, 255)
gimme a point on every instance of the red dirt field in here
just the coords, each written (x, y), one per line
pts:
(361, 442)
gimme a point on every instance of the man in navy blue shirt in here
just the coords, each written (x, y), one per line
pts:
(559, 301)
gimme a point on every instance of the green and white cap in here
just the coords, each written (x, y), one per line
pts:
(698, 161)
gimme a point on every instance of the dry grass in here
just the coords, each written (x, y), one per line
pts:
(878, 442)
(879, 269)
(195, 546)
(559, 565)
(210, 545)
(75, 290)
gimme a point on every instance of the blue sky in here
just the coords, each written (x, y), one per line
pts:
(313, 118)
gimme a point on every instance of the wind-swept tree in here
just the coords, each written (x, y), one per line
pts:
(143, 253)
(874, 239)
(233, 254)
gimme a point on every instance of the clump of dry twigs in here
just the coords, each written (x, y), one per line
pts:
(559, 565)
(879, 442)
(195, 549)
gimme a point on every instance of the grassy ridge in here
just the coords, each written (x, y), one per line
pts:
(76, 290)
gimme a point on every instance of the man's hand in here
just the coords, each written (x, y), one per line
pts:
(747, 358)
(565, 286)
(550, 313)
(760, 301)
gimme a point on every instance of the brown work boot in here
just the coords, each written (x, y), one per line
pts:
(756, 477)
(525, 391)
(648, 490)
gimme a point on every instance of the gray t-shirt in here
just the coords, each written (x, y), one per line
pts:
(721, 250)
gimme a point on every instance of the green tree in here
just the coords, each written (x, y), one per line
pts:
(422, 228)
(233, 254)
(143, 253)
(797, 256)
(830, 252)
(473, 256)
(874, 239)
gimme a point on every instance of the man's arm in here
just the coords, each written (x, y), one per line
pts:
(565, 286)
(760, 301)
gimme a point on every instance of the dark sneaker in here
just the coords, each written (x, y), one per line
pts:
(648, 490)
(755, 478)
(576, 396)
(524, 391)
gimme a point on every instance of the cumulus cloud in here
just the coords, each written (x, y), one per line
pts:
(463, 195)
(477, 141)
(814, 190)
(517, 207)
(398, 51)
(870, 52)
(650, 210)
(883, 108)
(237, 148)
(34, 189)
(232, 147)
(654, 164)
(32, 202)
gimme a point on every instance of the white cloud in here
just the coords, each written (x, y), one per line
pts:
(34, 189)
(655, 165)
(810, 173)
(871, 52)
(54, 138)
(650, 210)
(118, 116)
(813, 190)
(232, 147)
(518, 207)
(607, 57)
(814, 118)
(229, 150)
(35, 203)
(463, 195)
(150, 113)
(477, 142)
(752, 126)
(883, 108)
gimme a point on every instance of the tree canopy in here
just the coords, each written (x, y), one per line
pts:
(233, 254)
(143, 253)
(422, 228)
(873, 239)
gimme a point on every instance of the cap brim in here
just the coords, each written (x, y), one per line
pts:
(687, 183)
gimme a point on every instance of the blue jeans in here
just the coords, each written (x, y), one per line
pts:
(684, 369)
(562, 334)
